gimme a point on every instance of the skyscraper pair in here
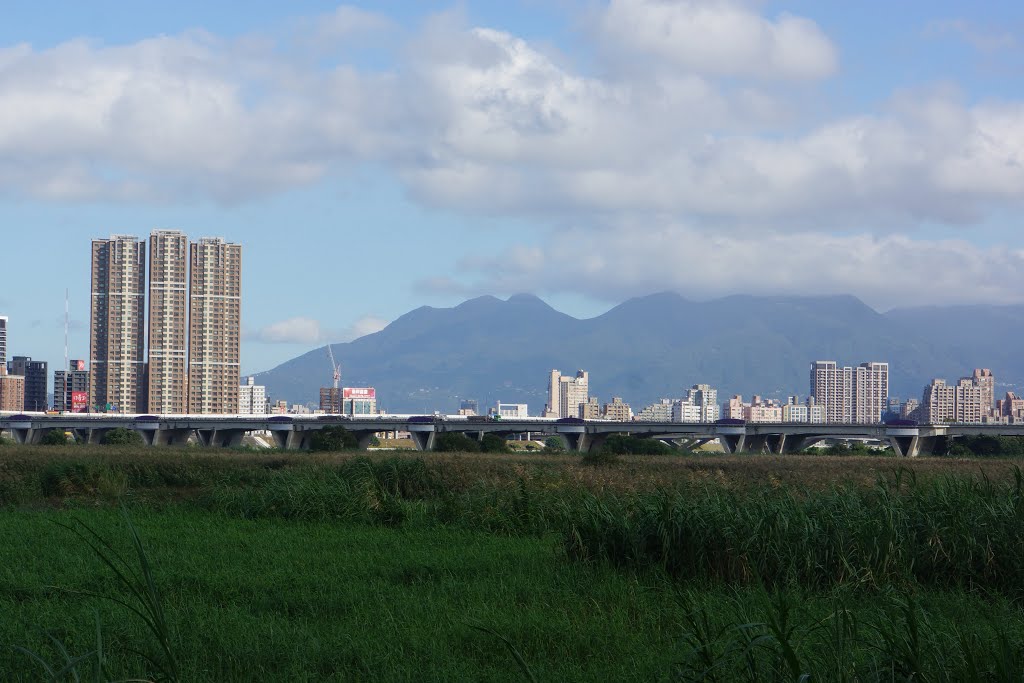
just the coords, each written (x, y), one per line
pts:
(193, 364)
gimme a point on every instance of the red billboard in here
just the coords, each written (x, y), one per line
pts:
(78, 365)
(79, 401)
(359, 392)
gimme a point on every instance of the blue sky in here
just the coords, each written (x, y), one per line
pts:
(375, 157)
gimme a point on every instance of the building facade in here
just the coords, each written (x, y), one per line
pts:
(116, 328)
(252, 398)
(36, 375)
(3, 340)
(963, 402)
(12, 391)
(657, 412)
(71, 388)
(214, 323)
(832, 389)
(168, 313)
(567, 395)
(870, 392)
(617, 410)
(511, 411)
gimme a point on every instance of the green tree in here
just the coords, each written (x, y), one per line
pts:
(332, 439)
(54, 437)
(553, 444)
(454, 442)
(122, 437)
(624, 444)
(492, 443)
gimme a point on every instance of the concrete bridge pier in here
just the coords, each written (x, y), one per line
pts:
(289, 439)
(756, 443)
(775, 443)
(424, 440)
(905, 446)
(733, 443)
(26, 436)
(220, 438)
(171, 437)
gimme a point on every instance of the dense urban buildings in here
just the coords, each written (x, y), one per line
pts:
(348, 400)
(252, 398)
(215, 315)
(36, 378)
(567, 395)
(469, 406)
(970, 400)
(71, 388)
(116, 332)
(168, 312)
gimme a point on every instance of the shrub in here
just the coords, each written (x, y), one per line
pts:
(622, 444)
(454, 442)
(492, 443)
(334, 438)
(122, 437)
(553, 444)
(54, 437)
(600, 457)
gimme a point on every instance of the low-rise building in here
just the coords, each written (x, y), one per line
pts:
(617, 410)
(12, 391)
(511, 411)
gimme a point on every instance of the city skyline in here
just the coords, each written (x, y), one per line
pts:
(432, 152)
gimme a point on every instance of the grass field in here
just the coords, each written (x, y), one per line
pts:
(416, 567)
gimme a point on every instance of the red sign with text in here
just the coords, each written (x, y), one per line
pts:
(79, 401)
(359, 392)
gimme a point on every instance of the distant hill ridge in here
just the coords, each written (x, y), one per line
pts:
(655, 346)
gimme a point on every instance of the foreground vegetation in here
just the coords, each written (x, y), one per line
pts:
(451, 566)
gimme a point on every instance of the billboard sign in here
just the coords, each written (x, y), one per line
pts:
(78, 366)
(79, 401)
(360, 392)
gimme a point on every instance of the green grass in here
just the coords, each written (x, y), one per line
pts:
(281, 600)
(482, 567)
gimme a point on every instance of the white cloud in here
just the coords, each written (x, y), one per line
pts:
(296, 330)
(302, 330)
(719, 37)
(622, 261)
(982, 39)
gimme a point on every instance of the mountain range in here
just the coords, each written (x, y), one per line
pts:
(655, 347)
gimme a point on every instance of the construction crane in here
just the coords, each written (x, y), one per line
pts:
(335, 366)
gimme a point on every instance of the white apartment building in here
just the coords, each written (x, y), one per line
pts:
(684, 411)
(511, 411)
(657, 412)
(870, 392)
(832, 388)
(3, 340)
(252, 398)
(706, 398)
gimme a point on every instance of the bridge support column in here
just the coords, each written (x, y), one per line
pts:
(424, 441)
(733, 443)
(148, 436)
(756, 443)
(220, 438)
(775, 443)
(795, 444)
(26, 436)
(171, 437)
(906, 446)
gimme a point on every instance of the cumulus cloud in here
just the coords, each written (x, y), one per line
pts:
(634, 260)
(302, 330)
(719, 37)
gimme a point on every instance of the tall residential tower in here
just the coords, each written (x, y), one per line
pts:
(117, 319)
(168, 310)
(214, 326)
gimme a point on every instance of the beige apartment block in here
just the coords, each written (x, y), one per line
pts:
(168, 317)
(214, 324)
(967, 401)
(617, 410)
(12, 391)
(832, 388)
(116, 328)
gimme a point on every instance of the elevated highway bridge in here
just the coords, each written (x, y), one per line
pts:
(294, 432)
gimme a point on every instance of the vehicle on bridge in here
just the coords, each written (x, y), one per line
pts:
(730, 421)
(571, 421)
(281, 418)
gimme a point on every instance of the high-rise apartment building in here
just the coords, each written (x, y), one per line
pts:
(71, 388)
(706, 398)
(832, 389)
(3, 340)
(116, 329)
(215, 317)
(35, 373)
(870, 392)
(567, 395)
(252, 398)
(964, 402)
(168, 311)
